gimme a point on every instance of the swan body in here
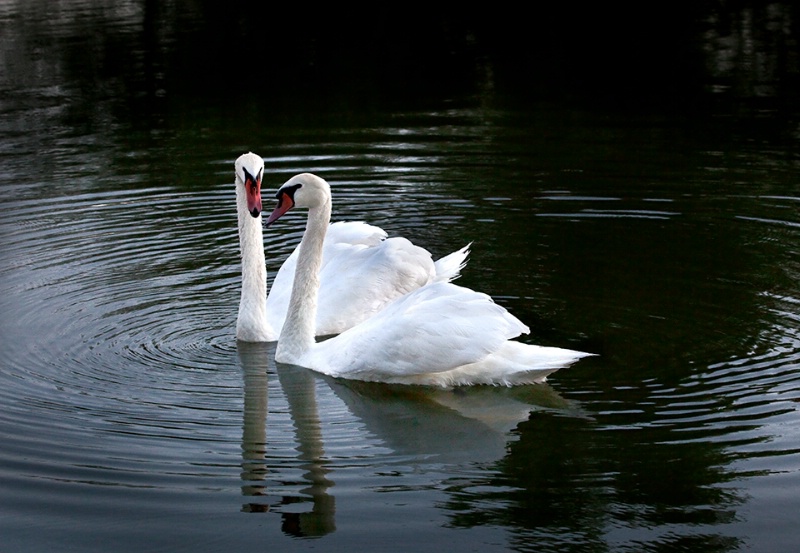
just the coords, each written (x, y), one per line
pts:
(353, 252)
(440, 334)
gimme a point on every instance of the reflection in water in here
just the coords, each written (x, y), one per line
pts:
(445, 426)
(595, 483)
(298, 386)
(254, 358)
(746, 49)
(431, 426)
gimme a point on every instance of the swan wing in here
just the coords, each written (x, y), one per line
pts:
(433, 329)
(362, 271)
(356, 286)
(341, 239)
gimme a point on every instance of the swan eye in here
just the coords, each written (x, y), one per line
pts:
(288, 191)
(255, 183)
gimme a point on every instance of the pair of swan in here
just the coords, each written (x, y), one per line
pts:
(397, 315)
(361, 270)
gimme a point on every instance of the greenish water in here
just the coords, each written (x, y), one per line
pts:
(664, 239)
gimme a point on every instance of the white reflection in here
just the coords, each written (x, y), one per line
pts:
(417, 424)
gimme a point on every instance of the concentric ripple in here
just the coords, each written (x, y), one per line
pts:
(124, 299)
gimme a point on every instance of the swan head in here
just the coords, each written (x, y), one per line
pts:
(303, 190)
(249, 171)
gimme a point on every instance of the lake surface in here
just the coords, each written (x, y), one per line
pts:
(667, 241)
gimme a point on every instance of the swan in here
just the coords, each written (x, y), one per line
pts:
(437, 335)
(385, 268)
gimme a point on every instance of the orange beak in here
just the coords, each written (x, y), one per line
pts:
(285, 203)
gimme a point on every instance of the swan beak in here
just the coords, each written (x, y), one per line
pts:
(285, 203)
(253, 188)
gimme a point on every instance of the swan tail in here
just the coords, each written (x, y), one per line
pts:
(517, 363)
(449, 267)
(513, 364)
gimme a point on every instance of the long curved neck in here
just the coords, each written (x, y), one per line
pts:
(252, 325)
(298, 332)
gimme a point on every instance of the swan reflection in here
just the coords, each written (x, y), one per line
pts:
(298, 387)
(424, 424)
(254, 360)
(454, 426)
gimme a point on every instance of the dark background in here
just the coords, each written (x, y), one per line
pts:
(727, 57)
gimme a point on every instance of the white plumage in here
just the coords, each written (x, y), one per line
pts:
(384, 268)
(440, 334)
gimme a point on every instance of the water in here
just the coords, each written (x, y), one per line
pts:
(130, 419)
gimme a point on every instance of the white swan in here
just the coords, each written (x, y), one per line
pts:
(440, 334)
(353, 252)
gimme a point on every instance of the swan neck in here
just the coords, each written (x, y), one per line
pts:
(297, 335)
(251, 324)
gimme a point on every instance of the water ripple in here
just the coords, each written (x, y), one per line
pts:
(131, 297)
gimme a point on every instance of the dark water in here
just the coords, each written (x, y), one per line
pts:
(650, 218)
